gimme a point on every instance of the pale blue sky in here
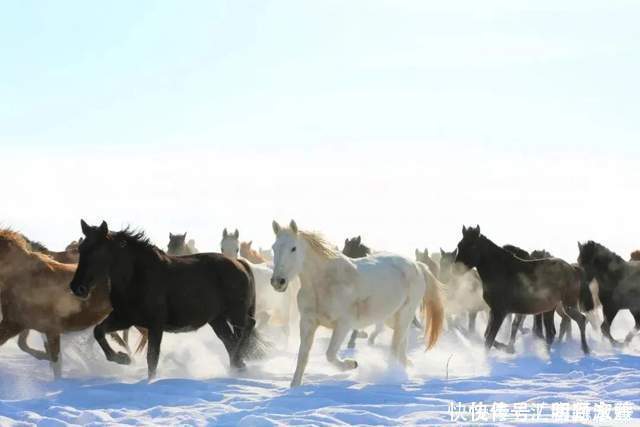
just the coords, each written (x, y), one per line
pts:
(355, 90)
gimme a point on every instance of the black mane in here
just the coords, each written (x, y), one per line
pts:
(135, 237)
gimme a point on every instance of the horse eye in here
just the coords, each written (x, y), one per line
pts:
(293, 249)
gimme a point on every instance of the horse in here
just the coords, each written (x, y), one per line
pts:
(165, 293)
(425, 258)
(343, 294)
(179, 246)
(635, 256)
(538, 319)
(68, 256)
(250, 254)
(618, 285)
(270, 306)
(463, 290)
(514, 285)
(34, 295)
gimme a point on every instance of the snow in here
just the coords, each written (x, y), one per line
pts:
(196, 388)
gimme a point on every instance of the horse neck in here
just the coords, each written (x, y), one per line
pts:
(146, 258)
(614, 269)
(492, 255)
(313, 267)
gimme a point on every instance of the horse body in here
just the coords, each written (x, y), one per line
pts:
(513, 285)
(342, 294)
(618, 284)
(35, 295)
(165, 293)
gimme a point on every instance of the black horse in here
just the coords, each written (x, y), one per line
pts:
(618, 285)
(514, 285)
(162, 293)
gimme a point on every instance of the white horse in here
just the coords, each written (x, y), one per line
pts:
(345, 294)
(271, 307)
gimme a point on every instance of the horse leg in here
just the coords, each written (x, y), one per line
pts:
(224, 332)
(110, 324)
(579, 318)
(243, 325)
(352, 340)
(337, 337)
(496, 317)
(537, 326)
(472, 321)
(153, 350)
(550, 327)
(609, 310)
(308, 328)
(565, 325)
(122, 342)
(53, 347)
(8, 330)
(515, 327)
(416, 323)
(634, 332)
(24, 346)
(379, 329)
(144, 337)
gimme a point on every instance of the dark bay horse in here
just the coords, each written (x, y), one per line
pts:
(514, 285)
(618, 285)
(159, 292)
(178, 245)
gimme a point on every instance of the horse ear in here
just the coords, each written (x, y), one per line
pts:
(441, 252)
(275, 226)
(184, 236)
(86, 229)
(249, 244)
(579, 246)
(426, 252)
(170, 235)
(346, 242)
(464, 230)
(236, 233)
(224, 233)
(477, 230)
(104, 228)
(417, 252)
(293, 226)
(359, 239)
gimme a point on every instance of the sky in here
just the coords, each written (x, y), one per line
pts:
(396, 120)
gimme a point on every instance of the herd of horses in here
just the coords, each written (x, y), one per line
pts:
(115, 280)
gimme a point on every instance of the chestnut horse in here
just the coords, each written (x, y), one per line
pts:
(34, 294)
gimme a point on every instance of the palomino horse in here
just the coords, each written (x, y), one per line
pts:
(271, 307)
(513, 285)
(618, 285)
(178, 245)
(462, 291)
(250, 254)
(165, 293)
(345, 294)
(34, 294)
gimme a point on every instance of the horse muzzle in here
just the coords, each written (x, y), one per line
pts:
(279, 283)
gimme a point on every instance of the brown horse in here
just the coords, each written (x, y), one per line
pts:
(635, 255)
(34, 294)
(250, 254)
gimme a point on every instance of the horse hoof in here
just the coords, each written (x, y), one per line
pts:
(510, 349)
(121, 358)
(351, 364)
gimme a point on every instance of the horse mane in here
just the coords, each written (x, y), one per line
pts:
(134, 237)
(596, 249)
(517, 251)
(25, 245)
(319, 244)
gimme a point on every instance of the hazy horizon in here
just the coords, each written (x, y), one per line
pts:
(396, 121)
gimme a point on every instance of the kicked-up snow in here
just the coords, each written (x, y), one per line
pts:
(455, 382)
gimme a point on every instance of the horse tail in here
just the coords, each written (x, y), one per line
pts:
(586, 298)
(255, 346)
(432, 309)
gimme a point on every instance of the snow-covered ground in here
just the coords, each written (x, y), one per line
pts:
(196, 388)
